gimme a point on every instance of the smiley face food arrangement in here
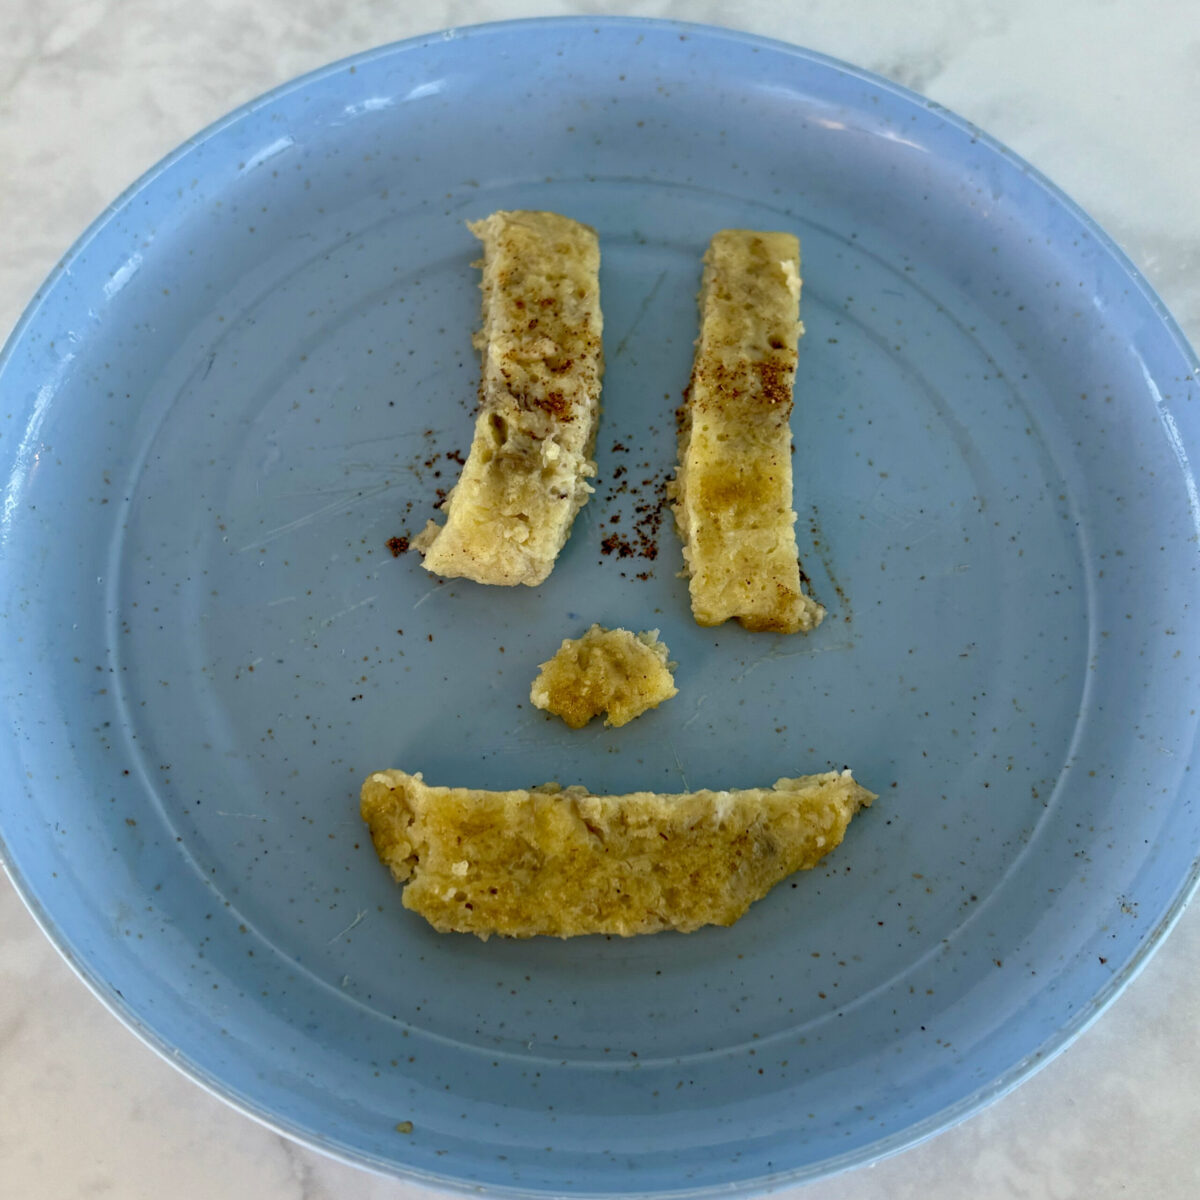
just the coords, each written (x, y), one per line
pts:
(565, 861)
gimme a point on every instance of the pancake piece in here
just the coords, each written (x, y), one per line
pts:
(563, 862)
(539, 401)
(610, 671)
(732, 492)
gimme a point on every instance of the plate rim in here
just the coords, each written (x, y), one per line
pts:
(866, 1155)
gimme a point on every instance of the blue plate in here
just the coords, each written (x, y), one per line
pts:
(256, 368)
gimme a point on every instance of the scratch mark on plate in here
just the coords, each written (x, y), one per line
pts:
(341, 612)
(425, 597)
(361, 916)
(700, 702)
(641, 312)
(808, 652)
(687, 787)
(291, 526)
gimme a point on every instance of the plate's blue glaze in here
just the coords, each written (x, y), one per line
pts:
(251, 372)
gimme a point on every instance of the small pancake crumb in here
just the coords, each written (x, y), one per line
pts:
(613, 671)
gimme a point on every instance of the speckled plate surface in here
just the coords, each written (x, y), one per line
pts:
(256, 368)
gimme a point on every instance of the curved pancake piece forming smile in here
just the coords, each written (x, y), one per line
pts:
(563, 862)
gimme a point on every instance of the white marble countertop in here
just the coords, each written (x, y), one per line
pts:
(1100, 94)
